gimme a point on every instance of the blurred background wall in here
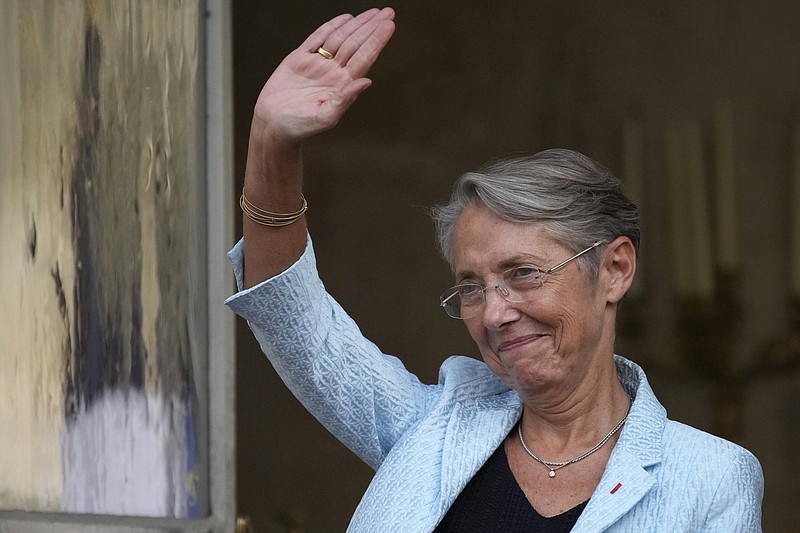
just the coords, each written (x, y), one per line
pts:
(696, 105)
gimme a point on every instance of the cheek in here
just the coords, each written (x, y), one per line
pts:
(476, 331)
(481, 339)
(567, 312)
(576, 317)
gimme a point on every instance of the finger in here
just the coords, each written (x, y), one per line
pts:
(338, 36)
(359, 54)
(317, 38)
(360, 34)
(340, 101)
(349, 93)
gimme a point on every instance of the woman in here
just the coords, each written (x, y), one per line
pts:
(552, 432)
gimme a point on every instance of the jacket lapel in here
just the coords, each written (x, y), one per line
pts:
(474, 431)
(626, 479)
(624, 483)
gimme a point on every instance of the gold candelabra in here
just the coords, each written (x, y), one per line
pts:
(707, 346)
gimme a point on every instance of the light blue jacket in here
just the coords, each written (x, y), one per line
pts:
(426, 441)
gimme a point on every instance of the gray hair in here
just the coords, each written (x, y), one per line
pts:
(578, 201)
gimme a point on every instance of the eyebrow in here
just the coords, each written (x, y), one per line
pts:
(521, 259)
(505, 264)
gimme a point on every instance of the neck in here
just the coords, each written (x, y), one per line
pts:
(574, 421)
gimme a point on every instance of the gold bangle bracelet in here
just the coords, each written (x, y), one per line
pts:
(268, 218)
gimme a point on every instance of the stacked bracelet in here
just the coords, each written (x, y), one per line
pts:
(266, 218)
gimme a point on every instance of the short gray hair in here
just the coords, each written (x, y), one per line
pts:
(578, 200)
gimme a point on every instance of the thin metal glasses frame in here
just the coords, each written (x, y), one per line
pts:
(504, 292)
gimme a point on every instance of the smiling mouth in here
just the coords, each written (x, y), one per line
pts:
(519, 341)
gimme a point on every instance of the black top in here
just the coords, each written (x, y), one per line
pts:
(493, 502)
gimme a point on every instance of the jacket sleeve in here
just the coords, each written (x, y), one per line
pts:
(736, 506)
(365, 398)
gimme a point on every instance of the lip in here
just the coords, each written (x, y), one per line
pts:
(517, 342)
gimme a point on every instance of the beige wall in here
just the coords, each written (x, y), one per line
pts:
(99, 187)
(465, 81)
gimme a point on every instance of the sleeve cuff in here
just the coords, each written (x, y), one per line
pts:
(236, 257)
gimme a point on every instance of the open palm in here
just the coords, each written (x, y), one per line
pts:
(307, 93)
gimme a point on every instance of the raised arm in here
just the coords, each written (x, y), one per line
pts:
(307, 94)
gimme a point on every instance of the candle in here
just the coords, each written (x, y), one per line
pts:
(725, 188)
(795, 206)
(703, 269)
(680, 231)
(693, 273)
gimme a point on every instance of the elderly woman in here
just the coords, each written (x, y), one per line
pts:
(552, 431)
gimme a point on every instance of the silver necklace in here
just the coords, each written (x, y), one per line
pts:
(556, 465)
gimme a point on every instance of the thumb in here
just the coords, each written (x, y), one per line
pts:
(352, 90)
(340, 101)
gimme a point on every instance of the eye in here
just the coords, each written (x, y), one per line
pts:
(525, 271)
(524, 276)
(468, 289)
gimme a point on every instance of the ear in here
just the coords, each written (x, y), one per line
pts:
(617, 268)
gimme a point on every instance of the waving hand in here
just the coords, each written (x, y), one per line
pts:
(309, 93)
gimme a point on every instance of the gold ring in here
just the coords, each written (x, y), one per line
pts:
(324, 53)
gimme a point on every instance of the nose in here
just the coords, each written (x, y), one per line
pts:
(497, 311)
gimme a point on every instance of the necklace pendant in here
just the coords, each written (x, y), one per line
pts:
(552, 473)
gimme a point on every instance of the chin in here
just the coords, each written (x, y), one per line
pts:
(534, 373)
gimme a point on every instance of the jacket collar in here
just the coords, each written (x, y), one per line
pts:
(476, 422)
(626, 479)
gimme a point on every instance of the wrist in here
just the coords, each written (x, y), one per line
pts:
(267, 138)
(273, 176)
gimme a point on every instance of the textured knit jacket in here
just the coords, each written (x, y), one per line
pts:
(427, 441)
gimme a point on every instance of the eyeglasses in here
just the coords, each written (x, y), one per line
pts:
(466, 300)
